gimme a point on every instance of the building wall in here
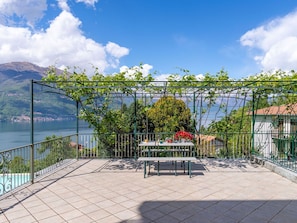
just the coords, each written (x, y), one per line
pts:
(266, 136)
(263, 142)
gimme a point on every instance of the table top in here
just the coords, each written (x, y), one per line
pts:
(167, 159)
(155, 143)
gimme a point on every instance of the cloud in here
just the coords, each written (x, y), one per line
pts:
(61, 44)
(28, 11)
(63, 5)
(88, 2)
(274, 44)
(145, 69)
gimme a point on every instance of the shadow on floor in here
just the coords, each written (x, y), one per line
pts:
(168, 168)
(218, 211)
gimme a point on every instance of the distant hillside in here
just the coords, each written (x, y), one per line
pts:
(15, 95)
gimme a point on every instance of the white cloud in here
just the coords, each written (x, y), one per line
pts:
(275, 43)
(115, 50)
(63, 5)
(28, 11)
(145, 69)
(88, 2)
(62, 44)
(164, 77)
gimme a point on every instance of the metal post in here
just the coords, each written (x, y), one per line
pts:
(77, 130)
(194, 111)
(32, 134)
(135, 125)
(253, 122)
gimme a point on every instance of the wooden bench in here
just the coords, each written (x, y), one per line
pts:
(182, 152)
(171, 159)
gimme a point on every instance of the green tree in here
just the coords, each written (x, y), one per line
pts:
(138, 115)
(53, 150)
(169, 114)
(96, 94)
(18, 165)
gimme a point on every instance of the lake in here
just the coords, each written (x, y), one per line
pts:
(14, 134)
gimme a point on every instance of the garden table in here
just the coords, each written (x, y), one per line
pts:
(179, 151)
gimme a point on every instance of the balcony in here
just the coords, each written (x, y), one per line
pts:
(80, 185)
(114, 190)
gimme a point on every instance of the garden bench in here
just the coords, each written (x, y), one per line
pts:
(170, 159)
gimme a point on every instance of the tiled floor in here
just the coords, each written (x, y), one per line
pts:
(115, 191)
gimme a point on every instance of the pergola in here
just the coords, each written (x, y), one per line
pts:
(210, 102)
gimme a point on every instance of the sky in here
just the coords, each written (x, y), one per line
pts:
(242, 37)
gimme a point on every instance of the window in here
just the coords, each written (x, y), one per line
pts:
(281, 127)
(293, 128)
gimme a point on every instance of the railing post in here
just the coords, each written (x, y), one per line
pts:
(32, 134)
(77, 130)
(32, 164)
(135, 126)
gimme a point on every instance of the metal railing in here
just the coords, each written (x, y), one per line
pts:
(280, 149)
(22, 165)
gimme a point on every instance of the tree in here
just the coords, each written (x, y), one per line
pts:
(53, 150)
(137, 115)
(169, 114)
(18, 165)
(96, 94)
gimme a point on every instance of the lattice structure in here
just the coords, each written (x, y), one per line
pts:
(225, 115)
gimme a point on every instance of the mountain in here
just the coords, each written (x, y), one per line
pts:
(15, 97)
(21, 71)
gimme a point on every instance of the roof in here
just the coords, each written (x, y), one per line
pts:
(208, 138)
(290, 109)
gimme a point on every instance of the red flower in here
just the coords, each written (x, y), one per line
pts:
(183, 135)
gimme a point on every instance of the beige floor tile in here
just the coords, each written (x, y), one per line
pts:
(16, 213)
(71, 215)
(81, 219)
(44, 214)
(23, 219)
(109, 219)
(109, 191)
(99, 214)
(3, 218)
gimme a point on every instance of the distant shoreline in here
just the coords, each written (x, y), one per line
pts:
(27, 119)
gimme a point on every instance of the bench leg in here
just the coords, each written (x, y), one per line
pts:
(175, 167)
(144, 171)
(190, 168)
(158, 168)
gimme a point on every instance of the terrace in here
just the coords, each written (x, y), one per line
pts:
(96, 178)
(114, 190)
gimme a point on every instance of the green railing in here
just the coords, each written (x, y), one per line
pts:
(24, 164)
(279, 149)
(235, 145)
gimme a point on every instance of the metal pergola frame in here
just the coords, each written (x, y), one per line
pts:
(192, 89)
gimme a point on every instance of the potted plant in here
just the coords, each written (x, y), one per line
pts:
(183, 136)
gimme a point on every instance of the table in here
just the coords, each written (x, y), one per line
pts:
(154, 146)
(178, 147)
